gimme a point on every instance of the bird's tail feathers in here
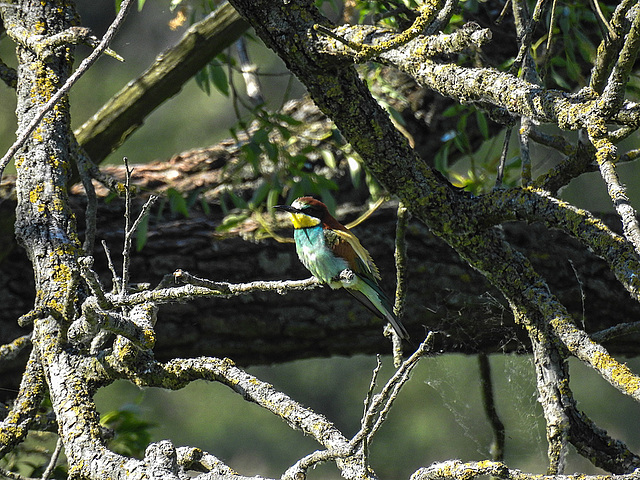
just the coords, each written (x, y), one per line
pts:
(372, 297)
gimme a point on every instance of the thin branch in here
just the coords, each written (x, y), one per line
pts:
(131, 227)
(126, 249)
(401, 275)
(367, 404)
(551, 374)
(15, 426)
(525, 156)
(81, 70)
(427, 12)
(503, 156)
(550, 38)
(381, 406)
(616, 331)
(613, 94)
(609, 49)
(54, 459)
(497, 445)
(178, 373)
(606, 156)
(526, 36)
(92, 200)
(91, 277)
(11, 350)
(191, 458)
(373, 418)
(222, 289)
(114, 275)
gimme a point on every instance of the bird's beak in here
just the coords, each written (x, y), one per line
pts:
(286, 208)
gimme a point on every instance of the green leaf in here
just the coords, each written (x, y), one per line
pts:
(483, 125)
(230, 221)
(219, 78)
(287, 119)
(354, 170)
(177, 202)
(142, 233)
(202, 80)
(272, 198)
(259, 195)
(238, 201)
(131, 433)
(140, 4)
(272, 151)
(205, 206)
(329, 158)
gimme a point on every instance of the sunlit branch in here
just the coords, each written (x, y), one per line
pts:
(606, 156)
(456, 470)
(82, 68)
(196, 459)
(12, 349)
(609, 48)
(15, 426)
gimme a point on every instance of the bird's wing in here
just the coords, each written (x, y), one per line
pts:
(346, 245)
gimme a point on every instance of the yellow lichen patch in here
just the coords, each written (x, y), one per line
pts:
(40, 27)
(149, 338)
(620, 373)
(62, 274)
(34, 195)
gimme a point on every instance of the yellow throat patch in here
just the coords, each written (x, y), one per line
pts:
(300, 220)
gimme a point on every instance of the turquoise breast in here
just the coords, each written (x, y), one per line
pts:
(316, 256)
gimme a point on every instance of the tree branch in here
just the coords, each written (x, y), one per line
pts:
(127, 109)
(64, 89)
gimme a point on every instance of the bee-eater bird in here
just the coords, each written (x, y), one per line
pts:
(327, 248)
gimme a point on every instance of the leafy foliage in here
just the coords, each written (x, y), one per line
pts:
(130, 434)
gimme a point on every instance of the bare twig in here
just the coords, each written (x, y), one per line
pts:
(616, 331)
(92, 200)
(613, 94)
(191, 458)
(222, 289)
(526, 33)
(84, 66)
(381, 406)
(401, 274)
(112, 268)
(427, 13)
(367, 405)
(525, 157)
(126, 249)
(497, 445)
(54, 459)
(372, 420)
(89, 276)
(10, 350)
(503, 156)
(131, 227)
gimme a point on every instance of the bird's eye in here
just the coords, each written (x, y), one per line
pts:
(315, 211)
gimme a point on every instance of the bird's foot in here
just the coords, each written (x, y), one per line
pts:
(347, 277)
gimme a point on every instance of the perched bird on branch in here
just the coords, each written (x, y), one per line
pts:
(335, 256)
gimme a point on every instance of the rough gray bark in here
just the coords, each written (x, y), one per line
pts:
(460, 296)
